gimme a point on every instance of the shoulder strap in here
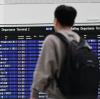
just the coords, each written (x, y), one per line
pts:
(68, 55)
(66, 41)
(62, 38)
(82, 42)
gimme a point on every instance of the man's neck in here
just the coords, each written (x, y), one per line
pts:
(64, 30)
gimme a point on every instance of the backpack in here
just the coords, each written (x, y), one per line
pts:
(79, 75)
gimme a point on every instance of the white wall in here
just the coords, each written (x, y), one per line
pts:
(43, 13)
(48, 1)
(1, 15)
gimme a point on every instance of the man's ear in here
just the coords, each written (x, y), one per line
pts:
(56, 22)
(57, 25)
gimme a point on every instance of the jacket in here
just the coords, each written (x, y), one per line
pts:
(49, 64)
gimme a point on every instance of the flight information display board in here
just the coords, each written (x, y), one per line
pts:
(19, 51)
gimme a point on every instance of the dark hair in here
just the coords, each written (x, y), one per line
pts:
(65, 15)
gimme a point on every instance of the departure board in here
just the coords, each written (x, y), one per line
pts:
(19, 50)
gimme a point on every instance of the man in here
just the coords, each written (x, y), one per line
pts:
(53, 53)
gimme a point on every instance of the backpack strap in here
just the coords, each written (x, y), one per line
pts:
(62, 38)
(82, 42)
(66, 42)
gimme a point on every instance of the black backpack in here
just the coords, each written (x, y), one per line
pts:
(79, 75)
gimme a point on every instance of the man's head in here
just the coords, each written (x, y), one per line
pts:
(64, 16)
